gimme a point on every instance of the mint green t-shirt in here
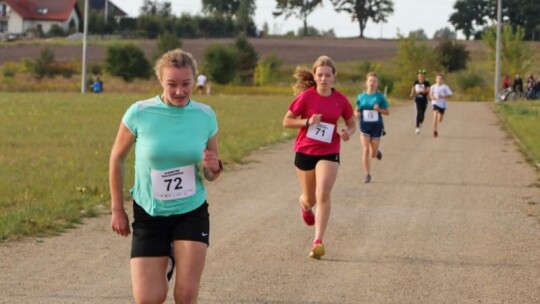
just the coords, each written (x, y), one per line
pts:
(169, 144)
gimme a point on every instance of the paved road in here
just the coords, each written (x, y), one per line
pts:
(445, 220)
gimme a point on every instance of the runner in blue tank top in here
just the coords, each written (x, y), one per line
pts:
(174, 136)
(370, 106)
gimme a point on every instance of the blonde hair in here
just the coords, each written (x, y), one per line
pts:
(176, 58)
(372, 74)
(304, 78)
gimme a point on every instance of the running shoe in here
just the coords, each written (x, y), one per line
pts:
(417, 131)
(435, 133)
(308, 216)
(379, 155)
(317, 250)
(170, 266)
(367, 179)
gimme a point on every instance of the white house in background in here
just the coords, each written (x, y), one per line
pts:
(20, 16)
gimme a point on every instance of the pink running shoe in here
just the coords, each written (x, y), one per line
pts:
(317, 250)
(308, 216)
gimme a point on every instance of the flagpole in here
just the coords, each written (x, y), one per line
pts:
(85, 34)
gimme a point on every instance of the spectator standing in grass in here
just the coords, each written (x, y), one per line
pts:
(370, 106)
(315, 112)
(517, 86)
(439, 94)
(530, 87)
(174, 137)
(420, 91)
(201, 84)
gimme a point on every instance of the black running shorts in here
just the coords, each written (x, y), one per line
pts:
(438, 109)
(306, 162)
(153, 235)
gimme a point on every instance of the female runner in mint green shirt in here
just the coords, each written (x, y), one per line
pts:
(173, 136)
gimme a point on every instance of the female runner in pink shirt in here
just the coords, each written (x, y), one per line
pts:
(316, 111)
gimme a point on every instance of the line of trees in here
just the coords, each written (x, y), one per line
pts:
(473, 17)
(229, 18)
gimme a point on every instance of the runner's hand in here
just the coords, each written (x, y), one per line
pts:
(120, 223)
(315, 119)
(345, 135)
(210, 160)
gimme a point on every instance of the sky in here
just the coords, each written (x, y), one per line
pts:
(409, 15)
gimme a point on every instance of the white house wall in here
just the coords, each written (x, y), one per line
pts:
(73, 16)
(45, 25)
(15, 22)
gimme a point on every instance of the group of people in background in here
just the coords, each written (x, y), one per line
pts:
(176, 146)
(518, 90)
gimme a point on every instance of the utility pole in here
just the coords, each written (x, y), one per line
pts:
(498, 52)
(106, 11)
(85, 34)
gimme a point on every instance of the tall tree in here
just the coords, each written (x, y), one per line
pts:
(156, 8)
(515, 53)
(472, 17)
(240, 10)
(298, 8)
(444, 33)
(227, 8)
(244, 14)
(363, 10)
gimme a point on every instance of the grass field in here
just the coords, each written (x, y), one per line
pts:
(54, 149)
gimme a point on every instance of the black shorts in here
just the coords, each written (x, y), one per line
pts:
(372, 130)
(153, 235)
(438, 109)
(306, 162)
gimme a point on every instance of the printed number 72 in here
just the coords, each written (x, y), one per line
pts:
(178, 181)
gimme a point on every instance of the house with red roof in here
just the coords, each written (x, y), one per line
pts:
(22, 16)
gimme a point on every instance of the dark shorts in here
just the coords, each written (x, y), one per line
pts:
(372, 130)
(153, 235)
(306, 162)
(438, 109)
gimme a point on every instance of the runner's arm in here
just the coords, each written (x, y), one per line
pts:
(122, 144)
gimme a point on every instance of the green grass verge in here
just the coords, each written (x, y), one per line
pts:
(55, 149)
(522, 120)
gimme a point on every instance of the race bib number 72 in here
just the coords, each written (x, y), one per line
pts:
(173, 183)
(322, 132)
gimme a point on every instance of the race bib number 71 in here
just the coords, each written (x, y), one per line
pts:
(173, 183)
(322, 132)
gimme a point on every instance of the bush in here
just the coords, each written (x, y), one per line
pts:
(9, 69)
(453, 56)
(220, 63)
(468, 80)
(167, 42)
(127, 61)
(267, 70)
(247, 59)
(41, 66)
(56, 31)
